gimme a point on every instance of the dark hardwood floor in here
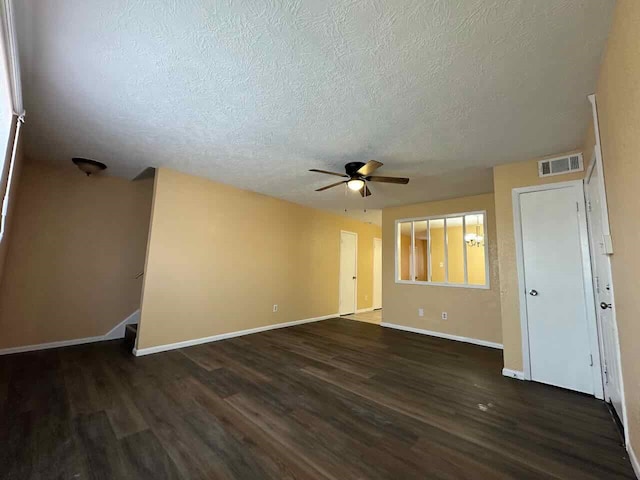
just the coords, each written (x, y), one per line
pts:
(331, 400)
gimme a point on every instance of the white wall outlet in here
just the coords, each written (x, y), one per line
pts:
(366, 297)
(275, 307)
(421, 312)
(444, 315)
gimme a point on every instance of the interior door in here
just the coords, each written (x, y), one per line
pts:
(377, 273)
(559, 343)
(603, 287)
(348, 272)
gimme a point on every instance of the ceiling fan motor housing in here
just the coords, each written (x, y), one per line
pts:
(352, 168)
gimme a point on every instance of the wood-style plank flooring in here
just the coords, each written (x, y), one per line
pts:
(330, 400)
(369, 317)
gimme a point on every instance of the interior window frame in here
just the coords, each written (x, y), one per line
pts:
(412, 260)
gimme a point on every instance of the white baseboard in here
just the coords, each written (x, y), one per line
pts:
(507, 372)
(364, 310)
(138, 352)
(475, 341)
(113, 334)
(634, 460)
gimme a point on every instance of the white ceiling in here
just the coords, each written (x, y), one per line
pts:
(254, 93)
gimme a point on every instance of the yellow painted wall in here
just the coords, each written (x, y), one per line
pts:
(505, 179)
(220, 257)
(405, 257)
(455, 253)
(476, 261)
(421, 260)
(618, 99)
(472, 312)
(75, 246)
(437, 255)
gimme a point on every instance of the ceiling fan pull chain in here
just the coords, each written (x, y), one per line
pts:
(346, 193)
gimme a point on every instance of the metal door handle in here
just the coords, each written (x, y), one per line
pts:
(604, 305)
(354, 278)
(533, 293)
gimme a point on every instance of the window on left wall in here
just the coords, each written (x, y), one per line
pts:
(6, 120)
(9, 122)
(448, 250)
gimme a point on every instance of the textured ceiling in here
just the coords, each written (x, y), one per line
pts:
(254, 93)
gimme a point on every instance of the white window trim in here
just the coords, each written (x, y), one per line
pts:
(4, 209)
(444, 217)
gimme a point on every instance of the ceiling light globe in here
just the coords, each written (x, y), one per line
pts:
(355, 184)
(470, 237)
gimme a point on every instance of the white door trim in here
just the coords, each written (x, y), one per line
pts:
(589, 171)
(373, 294)
(606, 230)
(586, 272)
(598, 150)
(355, 289)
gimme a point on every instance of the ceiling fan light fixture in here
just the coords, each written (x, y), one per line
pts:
(359, 174)
(88, 166)
(355, 184)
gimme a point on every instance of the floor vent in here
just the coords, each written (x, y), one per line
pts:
(560, 165)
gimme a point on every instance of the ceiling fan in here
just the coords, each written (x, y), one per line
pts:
(358, 174)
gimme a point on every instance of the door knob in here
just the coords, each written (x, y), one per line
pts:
(354, 278)
(533, 293)
(604, 305)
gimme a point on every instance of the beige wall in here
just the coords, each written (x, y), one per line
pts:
(437, 254)
(75, 246)
(505, 179)
(220, 257)
(618, 98)
(472, 312)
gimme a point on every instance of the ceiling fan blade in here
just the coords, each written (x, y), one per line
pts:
(400, 180)
(364, 191)
(329, 173)
(369, 167)
(330, 186)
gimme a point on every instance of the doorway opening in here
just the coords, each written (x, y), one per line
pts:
(600, 250)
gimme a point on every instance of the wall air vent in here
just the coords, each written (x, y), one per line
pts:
(560, 165)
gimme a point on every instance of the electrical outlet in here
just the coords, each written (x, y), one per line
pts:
(421, 312)
(444, 315)
(366, 297)
(275, 307)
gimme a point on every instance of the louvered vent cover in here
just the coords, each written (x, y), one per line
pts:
(560, 165)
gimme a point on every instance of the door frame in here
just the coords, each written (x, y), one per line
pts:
(592, 328)
(596, 159)
(355, 289)
(373, 294)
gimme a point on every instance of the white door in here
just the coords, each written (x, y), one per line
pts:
(603, 287)
(377, 273)
(348, 272)
(557, 317)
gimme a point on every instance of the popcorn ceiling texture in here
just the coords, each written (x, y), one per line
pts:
(254, 93)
